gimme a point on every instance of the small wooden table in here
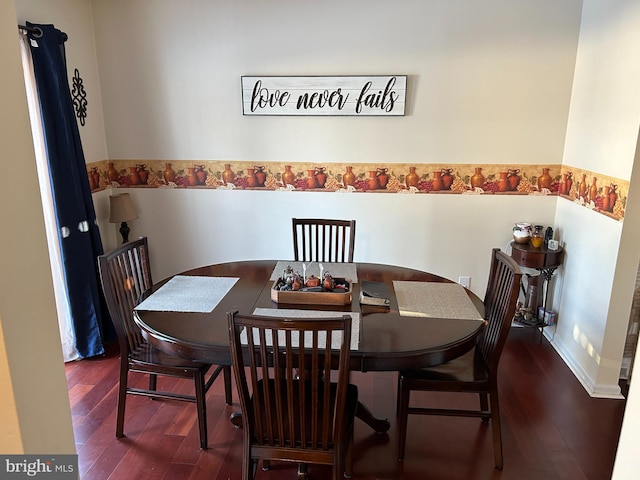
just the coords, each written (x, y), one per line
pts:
(543, 259)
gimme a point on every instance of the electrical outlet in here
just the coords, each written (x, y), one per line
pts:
(465, 281)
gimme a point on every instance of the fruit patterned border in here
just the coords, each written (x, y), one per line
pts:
(606, 195)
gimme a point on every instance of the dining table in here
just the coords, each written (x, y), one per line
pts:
(430, 320)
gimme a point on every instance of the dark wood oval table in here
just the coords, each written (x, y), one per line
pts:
(388, 340)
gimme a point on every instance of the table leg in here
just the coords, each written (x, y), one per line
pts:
(378, 425)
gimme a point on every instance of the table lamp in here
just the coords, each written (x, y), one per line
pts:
(122, 212)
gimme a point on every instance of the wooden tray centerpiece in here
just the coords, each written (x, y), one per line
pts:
(294, 288)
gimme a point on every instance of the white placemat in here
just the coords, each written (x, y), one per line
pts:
(184, 293)
(434, 299)
(337, 270)
(292, 313)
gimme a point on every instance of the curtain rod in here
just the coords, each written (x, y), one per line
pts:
(37, 31)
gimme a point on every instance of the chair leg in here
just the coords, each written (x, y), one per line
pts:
(339, 469)
(343, 457)
(226, 373)
(302, 471)
(348, 462)
(153, 382)
(249, 466)
(122, 398)
(496, 429)
(398, 394)
(201, 405)
(484, 405)
(403, 414)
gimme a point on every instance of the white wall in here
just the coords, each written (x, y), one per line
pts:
(587, 274)
(487, 84)
(189, 228)
(602, 135)
(626, 464)
(35, 416)
(628, 451)
(489, 81)
(603, 120)
(74, 18)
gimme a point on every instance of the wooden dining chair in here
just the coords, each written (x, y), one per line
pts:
(322, 240)
(291, 410)
(477, 370)
(126, 275)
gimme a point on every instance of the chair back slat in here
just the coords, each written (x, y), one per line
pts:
(287, 363)
(500, 306)
(125, 273)
(321, 240)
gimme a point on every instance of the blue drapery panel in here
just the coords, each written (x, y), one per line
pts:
(80, 241)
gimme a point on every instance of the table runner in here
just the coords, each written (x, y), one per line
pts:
(292, 313)
(434, 299)
(336, 270)
(184, 293)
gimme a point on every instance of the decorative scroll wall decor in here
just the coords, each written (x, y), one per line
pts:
(603, 194)
(378, 95)
(79, 97)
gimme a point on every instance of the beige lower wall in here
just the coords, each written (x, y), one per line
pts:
(451, 235)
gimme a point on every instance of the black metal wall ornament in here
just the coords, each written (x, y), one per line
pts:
(79, 97)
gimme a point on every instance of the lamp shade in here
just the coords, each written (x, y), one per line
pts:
(121, 208)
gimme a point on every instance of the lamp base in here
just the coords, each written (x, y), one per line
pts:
(124, 231)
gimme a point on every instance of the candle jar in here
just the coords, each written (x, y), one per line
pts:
(522, 232)
(537, 237)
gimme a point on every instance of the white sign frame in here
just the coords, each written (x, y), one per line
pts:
(377, 95)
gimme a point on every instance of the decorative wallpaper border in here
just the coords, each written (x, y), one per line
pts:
(605, 195)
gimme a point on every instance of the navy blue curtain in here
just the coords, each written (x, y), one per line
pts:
(80, 242)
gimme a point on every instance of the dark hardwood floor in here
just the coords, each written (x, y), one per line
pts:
(551, 428)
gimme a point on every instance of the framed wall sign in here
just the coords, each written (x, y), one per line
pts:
(378, 95)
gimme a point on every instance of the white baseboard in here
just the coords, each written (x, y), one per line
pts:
(593, 389)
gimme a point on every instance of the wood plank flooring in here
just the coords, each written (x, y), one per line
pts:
(552, 429)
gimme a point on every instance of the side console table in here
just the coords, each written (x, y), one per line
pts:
(542, 259)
